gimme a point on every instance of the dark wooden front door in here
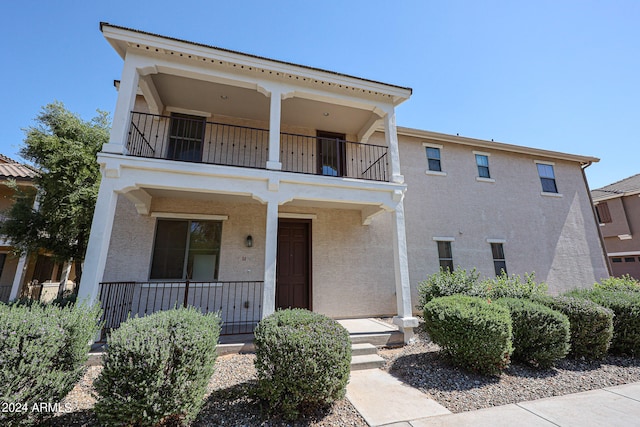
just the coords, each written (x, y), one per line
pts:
(293, 271)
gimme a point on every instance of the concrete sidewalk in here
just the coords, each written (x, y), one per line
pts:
(383, 400)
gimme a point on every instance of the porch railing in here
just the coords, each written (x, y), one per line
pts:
(193, 140)
(238, 302)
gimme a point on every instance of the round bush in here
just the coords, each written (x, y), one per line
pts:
(303, 361)
(540, 335)
(591, 325)
(43, 350)
(474, 332)
(626, 320)
(157, 368)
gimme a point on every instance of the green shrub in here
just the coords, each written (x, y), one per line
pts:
(513, 286)
(591, 324)
(43, 350)
(445, 283)
(157, 368)
(475, 333)
(303, 361)
(626, 320)
(540, 334)
(623, 283)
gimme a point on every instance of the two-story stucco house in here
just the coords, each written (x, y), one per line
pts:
(244, 184)
(618, 212)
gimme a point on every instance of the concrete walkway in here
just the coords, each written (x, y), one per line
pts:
(383, 400)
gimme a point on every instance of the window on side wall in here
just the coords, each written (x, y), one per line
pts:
(547, 178)
(482, 161)
(433, 159)
(186, 250)
(445, 255)
(499, 263)
(602, 211)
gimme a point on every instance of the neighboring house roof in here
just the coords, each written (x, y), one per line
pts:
(11, 169)
(624, 187)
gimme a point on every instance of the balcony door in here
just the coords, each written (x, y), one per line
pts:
(186, 137)
(331, 154)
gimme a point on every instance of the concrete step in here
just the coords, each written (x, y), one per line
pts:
(386, 339)
(363, 348)
(366, 361)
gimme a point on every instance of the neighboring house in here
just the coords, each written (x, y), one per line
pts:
(243, 184)
(618, 211)
(35, 275)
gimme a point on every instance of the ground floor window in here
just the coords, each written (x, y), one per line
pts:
(186, 250)
(445, 255)
(499, 263)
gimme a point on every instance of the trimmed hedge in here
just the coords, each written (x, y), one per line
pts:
(513, 286)
(157, 368)
(43, 350)
(624, 283)
(475, 333)
(303, 361)
(626, 320)
(591, 324)
(540, 334)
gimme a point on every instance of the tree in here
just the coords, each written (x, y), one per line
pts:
(63, 148)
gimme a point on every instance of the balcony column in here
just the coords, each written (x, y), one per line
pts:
(270, 253)
(404, 320)
(124, 105)
(391, 138)
(99, 239)
(21, 269)
(274, 129)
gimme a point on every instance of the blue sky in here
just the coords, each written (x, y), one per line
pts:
(558, 75)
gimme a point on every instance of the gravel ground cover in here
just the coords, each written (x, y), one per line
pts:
(228, 402)
(420, 365)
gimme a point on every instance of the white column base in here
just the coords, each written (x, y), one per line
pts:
(406, 325)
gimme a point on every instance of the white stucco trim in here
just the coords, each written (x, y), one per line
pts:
(429, 144)
(632, 253)
(173, 109)
(489, 240)
(625, 236)
(481, 179)
(444, 239)
(293, 215)
(544, 193)
(435, 173)
(481, 153)
(544, 162)
(177, 215)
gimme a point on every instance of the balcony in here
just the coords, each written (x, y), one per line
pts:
(186, 139)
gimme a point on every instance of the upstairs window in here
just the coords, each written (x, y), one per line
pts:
(186, 137)
(433, 159)
(602, 212)
(186, 250)
(499, 263)
(482, 161)
(445, 255)
(547, 178)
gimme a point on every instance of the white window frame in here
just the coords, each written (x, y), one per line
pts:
(440, 147)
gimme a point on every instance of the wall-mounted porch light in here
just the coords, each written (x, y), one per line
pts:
(249, 241)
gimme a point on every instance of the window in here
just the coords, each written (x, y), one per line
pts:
(602, 212)
(186, 250)
(185, 138)
(629, 259)
(433, 159)
(445, 255)
(499, 264)
(482, 161)
(547, 178)
(331, 153)
(616, 259)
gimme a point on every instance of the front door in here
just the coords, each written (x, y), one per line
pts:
(293, 271)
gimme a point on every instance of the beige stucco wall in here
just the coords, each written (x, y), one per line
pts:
(555, 237)
(619, 218)
(625, 216)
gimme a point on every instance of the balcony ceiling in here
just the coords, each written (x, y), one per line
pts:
(233, 101)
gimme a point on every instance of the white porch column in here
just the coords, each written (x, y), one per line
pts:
(99, 239)
(124, 105)
(405, 320)
(274, 129)
(270, 253)
(391, 138)
(18, 277)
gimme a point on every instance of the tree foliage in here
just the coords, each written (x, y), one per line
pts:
(63, 148)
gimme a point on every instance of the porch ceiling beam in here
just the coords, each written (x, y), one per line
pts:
(151, 95)
(369, 212)
(141, 199)
(369, 128)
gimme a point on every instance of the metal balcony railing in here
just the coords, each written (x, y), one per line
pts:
(193, 140)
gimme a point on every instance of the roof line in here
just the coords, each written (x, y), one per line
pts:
(264, 58)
